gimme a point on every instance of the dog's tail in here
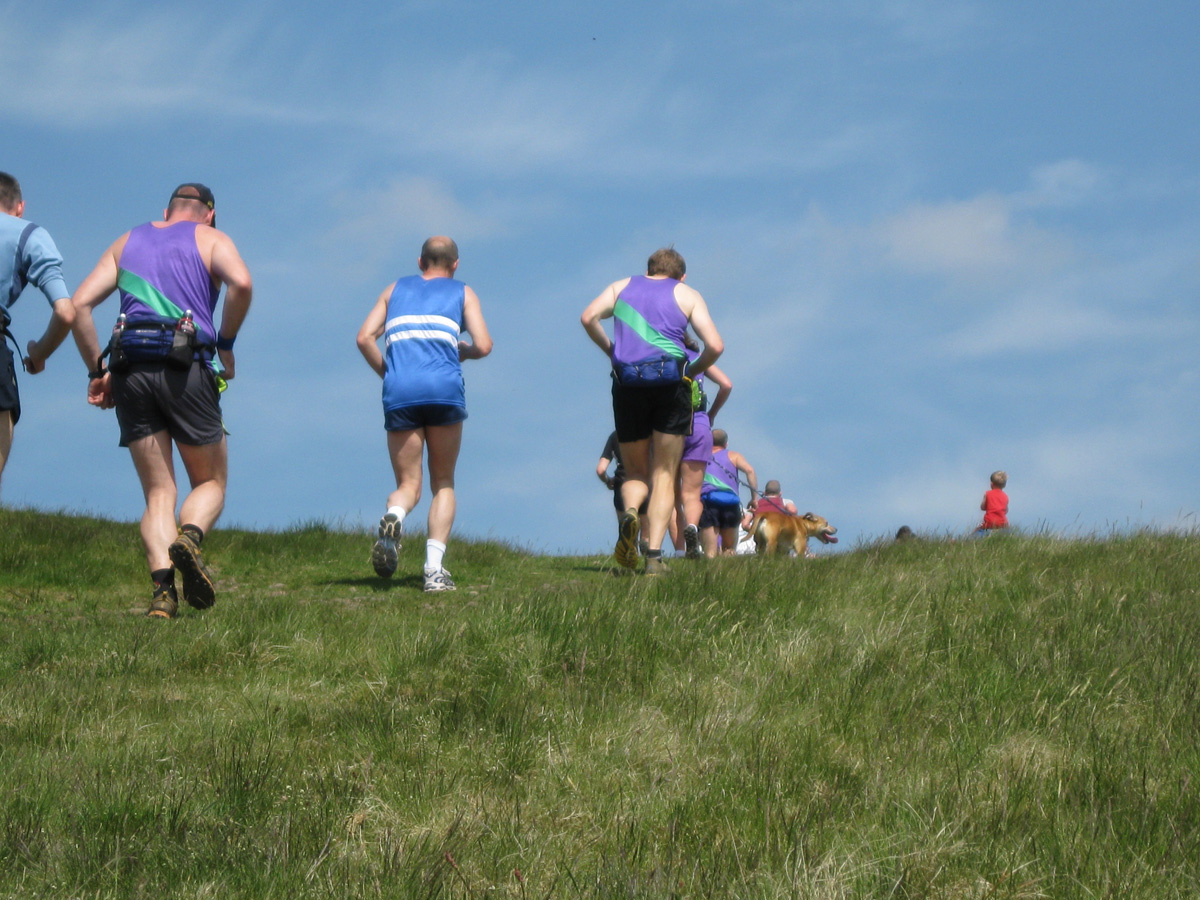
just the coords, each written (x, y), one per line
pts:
(755, 523)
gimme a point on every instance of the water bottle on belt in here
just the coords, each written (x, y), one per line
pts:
(118, 362)
(183, 344)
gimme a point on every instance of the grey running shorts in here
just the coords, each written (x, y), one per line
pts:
(154, 397)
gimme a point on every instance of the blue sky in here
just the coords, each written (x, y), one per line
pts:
(939, 238)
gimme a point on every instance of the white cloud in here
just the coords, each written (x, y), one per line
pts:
(373, 226)
(94, 70)
(971, 239)
(994, 233)
(1064, 183)
(1041, 321)
(500, 112)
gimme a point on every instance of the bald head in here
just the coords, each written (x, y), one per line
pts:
(439, 253)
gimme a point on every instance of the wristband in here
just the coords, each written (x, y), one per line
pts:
(224, 343)
(99, 373)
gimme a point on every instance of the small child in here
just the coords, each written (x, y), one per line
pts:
(995, 504)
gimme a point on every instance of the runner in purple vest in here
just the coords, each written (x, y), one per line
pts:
(165, 386)
(652, 391)
(721, 497)
(697, 451)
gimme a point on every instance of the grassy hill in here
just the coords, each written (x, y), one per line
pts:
(1012, 717)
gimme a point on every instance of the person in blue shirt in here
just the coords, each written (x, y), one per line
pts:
(420, 319)
(27, 256)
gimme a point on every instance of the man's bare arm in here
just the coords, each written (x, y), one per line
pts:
(372, 330)
(602, 308)
(92, 291)
(227, 265)
(62, 318)
(742, 463)
(481, 340)
(693, 306)
(724, 389)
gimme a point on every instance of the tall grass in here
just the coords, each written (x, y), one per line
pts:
(1014, 717)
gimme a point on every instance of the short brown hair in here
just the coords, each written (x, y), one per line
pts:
(439, 253)
(666, 261)
(10, 191)
(720, 437)
(1000, 479)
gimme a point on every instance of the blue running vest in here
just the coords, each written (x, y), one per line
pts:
(424, 320)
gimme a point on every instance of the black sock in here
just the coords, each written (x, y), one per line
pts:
(654, 554)
(163, 578)
(193, 531)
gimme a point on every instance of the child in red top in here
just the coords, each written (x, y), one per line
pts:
(995, 504)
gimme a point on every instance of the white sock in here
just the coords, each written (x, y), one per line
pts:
(397, 511)
(434, 551)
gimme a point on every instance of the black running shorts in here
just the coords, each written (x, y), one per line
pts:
(154, 397)
(720, 517)
(10, 399)
(638, 411)
(423, 415)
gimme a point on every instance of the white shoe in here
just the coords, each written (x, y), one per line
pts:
(438, 580)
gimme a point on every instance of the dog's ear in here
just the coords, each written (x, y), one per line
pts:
(812, 517)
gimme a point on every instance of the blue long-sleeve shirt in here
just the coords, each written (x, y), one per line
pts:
(39, 263)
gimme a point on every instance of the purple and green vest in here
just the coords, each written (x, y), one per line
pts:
(721, 481)
(649, 323)
(161, 275)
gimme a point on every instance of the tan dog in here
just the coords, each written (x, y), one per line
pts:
(770, 529)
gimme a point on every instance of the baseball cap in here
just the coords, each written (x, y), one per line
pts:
(195, 191)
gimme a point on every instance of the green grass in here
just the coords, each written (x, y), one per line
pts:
(1013, 717)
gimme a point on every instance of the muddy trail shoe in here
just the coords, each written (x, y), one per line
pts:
(655, 565)
(438, 580)
(626, 550)
(197, 582)
(385, 553)
(165, 604)
(691, 542)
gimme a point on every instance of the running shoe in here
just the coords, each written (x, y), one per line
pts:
(384, 555)
(197, 582)
(438, 580)
(626, 551)
(691, 542)
(165, 604)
